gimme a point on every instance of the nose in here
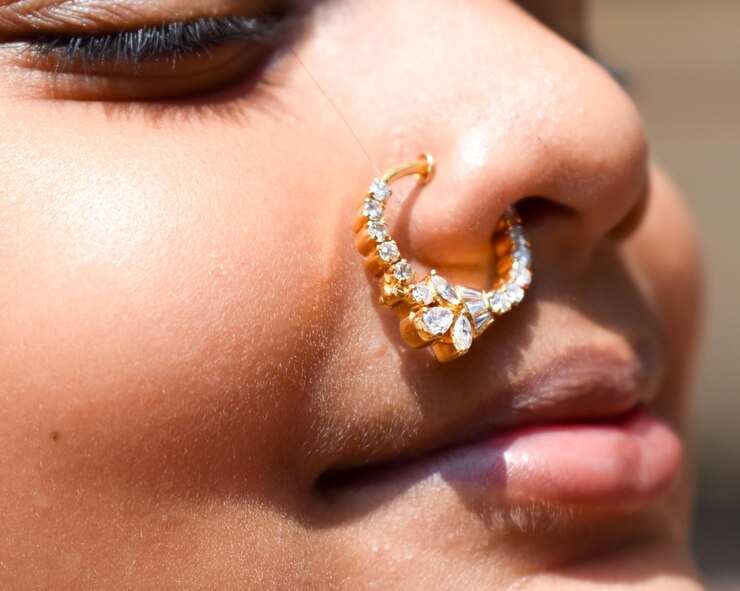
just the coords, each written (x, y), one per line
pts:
(515, 115)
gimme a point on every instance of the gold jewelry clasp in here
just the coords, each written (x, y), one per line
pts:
(423, 169)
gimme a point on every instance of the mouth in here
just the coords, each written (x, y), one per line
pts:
(579, 434)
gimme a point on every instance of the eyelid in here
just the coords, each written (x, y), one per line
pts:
(171, 40)
(24, 18)
(217, 65)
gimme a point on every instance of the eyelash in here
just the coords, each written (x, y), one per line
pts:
(174, 41)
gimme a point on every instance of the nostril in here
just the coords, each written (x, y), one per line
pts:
(557, 232)
(540, 211)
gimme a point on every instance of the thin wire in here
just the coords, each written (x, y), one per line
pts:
(339, 112)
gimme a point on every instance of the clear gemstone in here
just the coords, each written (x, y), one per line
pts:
(403, 271)
(516, 233)
(372, 209)
(482, 321)
(473, 300)
(379, 190)
(462, 334)
(498, 302)
(389, 251)
(378, 231)
(522, 256)
(521, 276)
(445, 290)
(476, 307)
(514, 293)
(470, 294)
(422, 294)
(437, 320)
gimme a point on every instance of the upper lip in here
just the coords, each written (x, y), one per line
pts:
(583, 385)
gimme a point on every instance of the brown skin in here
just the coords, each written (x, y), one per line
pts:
(189, 340)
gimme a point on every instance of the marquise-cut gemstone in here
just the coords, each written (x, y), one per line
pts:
(422, 294)
(378, 231)
(445, 289)
(388, 251)
(462, 334)
(437, 320)
(372, 209)
(379, 190)
(403, 271)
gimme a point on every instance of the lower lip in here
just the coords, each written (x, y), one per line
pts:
(625, 463)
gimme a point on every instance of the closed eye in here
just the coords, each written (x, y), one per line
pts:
(171, 59)
(172, 41)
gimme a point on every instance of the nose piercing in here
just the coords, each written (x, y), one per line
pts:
(435, 313)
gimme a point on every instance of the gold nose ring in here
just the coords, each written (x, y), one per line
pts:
(434, 312)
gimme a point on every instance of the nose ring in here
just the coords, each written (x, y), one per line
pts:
(434, 312)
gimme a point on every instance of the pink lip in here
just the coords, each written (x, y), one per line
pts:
(627, 462)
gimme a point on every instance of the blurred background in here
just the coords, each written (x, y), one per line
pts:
(680, 60)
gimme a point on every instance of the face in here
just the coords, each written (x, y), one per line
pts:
(199, 388)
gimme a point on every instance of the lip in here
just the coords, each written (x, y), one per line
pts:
(620, 464)
(578, 433)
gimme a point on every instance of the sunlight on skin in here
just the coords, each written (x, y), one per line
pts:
(195, 370)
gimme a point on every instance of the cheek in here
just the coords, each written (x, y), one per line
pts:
(664, 255)
(164, 291)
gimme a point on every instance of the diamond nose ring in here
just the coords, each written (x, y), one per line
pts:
(434, 312)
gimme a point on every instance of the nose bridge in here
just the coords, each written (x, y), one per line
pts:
(522, 114)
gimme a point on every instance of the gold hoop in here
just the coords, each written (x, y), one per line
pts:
(434, 313)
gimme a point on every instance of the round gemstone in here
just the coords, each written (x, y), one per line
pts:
(422, 294)
(403, 271)
(499, 302)
(388, 251)
(445, 289)
(379, 190)
(514, 293)
(437, 320)
(462, 334)
(378, 231)
(372, 209)
(521, 276)
(522, 255)
(516, 233)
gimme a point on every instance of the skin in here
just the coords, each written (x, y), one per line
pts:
(188, 339)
